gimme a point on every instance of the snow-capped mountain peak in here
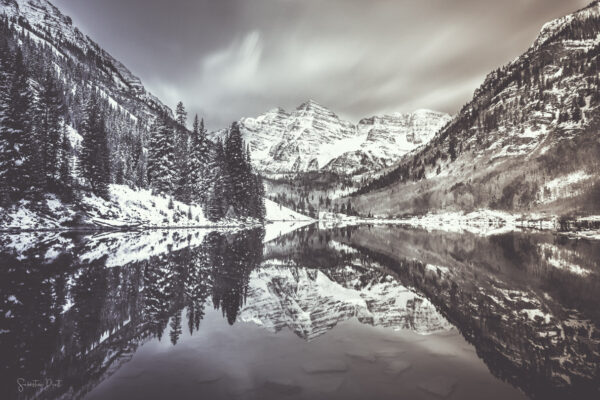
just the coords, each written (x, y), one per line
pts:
(309, 105)
(314, 138)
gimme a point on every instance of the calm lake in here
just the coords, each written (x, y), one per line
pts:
(365, 312)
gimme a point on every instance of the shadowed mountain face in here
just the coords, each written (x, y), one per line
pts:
(526, 303)
(47, 25)
(527, 139)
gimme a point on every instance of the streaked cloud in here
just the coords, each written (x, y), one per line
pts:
(232, 58)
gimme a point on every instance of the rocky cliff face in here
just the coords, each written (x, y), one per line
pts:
(387, 138)
(47, 25)
(313, 138)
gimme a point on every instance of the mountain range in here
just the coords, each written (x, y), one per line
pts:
(526, 142)
(313, 138)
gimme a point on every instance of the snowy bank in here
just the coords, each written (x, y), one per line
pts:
(481, 222)
(277, 212)
(123, 247)
(126, 208)
(277, 229)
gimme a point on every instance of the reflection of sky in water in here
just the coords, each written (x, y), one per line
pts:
(356, 362)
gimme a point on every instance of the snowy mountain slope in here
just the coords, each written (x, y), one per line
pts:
(387, 138)
(313, 138)
(45, 23)
(530, 123)
(79, 67)
(97, 125)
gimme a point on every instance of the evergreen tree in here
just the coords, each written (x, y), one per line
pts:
(65, 173)
(50, 109)
(182, 184)
(176, 329)
(255, 195)
(95, 165)
(161, 156)
(452, 148)
(216, 204)
(181, 114)
(257, 199)
(23, 167)
(198, 163)
(237, 171)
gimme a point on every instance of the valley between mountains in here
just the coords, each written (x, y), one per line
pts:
(110, 155)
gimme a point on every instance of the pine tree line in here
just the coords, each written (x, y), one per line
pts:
(94, 161)
(61, 133)
(33, 144)
(37, 154)
(219, 176)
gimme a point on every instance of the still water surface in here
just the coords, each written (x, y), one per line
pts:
(349, 313)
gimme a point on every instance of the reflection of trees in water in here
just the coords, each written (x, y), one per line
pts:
(220, 268)
(112, 309)
(31, 302)
(233, 259)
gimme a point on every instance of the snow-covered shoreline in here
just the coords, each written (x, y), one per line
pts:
(127, 209)
(122, 247)
(481, 222)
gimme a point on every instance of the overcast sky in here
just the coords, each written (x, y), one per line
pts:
(227, 59)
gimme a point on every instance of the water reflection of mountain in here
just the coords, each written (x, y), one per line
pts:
(309, 281)
(310, 301)
(527, 302)
(79, 307)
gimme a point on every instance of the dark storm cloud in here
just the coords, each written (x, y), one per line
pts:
(231, 58)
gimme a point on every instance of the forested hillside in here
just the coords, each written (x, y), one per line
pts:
(75, 122)
(527, 141)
